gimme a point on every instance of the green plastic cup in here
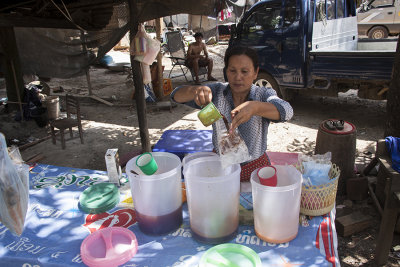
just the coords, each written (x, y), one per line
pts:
(209, 114)
(147, 163)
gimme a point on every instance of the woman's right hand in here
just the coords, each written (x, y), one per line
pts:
(202, 95)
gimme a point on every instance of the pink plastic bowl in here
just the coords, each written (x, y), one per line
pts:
(111, 246)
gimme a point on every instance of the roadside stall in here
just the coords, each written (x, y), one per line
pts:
(56, 227)
(160, 214)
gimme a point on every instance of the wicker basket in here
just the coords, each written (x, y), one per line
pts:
(319, 200)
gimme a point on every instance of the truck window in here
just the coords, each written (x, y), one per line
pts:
(320, 12)
(340, 9)
(290, 12)
(331, 9)
(381, 3)
(265, 18)
(334, 9)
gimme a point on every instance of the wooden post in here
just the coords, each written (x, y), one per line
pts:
(138, 81)
(18, 93)
(216, 30)
(12, 67)
(159, 90)
(387, 226)
(83, 39)
(190, 22)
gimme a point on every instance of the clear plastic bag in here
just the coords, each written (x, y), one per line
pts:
(138, 45)
(14, 188)
(315, 168)
(153, 47)
(146, 74)
(144, 47)
(232, 148)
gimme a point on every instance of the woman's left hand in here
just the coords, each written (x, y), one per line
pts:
(241, 114)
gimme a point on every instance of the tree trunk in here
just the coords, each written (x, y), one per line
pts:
(393, 99)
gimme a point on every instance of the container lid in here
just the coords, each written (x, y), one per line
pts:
(348, 127)
(196, 155)
(230, 255)
(99, 198)
(111, 246)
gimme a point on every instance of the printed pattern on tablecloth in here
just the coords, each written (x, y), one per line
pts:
(246, 200)
(326, 240)
(55, 228)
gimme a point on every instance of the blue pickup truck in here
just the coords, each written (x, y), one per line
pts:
(312, 47)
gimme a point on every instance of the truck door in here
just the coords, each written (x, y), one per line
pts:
(273, 30)
(261, 30)
(292, 46)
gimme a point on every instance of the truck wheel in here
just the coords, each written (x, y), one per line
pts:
(378, 32)
(266, 80)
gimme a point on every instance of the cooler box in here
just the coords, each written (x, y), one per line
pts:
(182, 142)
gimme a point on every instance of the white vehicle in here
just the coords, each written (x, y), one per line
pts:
(379, 18)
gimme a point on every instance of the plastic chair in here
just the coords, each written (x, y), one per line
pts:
(73, 119)
(176, 48)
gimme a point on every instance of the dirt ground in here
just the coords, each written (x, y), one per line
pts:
(117, 127)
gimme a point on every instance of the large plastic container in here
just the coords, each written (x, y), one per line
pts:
(191, 156)
(213, 199)
(157, 198)
(276, 209)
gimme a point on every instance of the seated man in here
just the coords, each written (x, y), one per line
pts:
(195, 60)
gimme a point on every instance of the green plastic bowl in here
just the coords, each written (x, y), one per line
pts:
(99, 198)
(230, 255)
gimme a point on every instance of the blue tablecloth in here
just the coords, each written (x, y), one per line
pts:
(182, 142)
(55, 228)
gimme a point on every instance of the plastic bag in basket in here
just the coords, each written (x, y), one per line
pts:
(14, 189)
(315, 169)
(317, 200)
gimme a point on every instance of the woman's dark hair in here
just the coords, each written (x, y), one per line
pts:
(198, 34)
(241, 50)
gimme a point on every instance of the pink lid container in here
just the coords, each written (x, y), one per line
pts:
(111, 246)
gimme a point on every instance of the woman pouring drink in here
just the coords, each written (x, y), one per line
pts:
(249, 108)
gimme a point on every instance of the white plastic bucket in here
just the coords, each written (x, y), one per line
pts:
(213, 199)
(276, 209)
(157, 198)
(191, 156)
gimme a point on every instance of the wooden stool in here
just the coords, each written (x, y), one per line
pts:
(342, 144)
(388, 188)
